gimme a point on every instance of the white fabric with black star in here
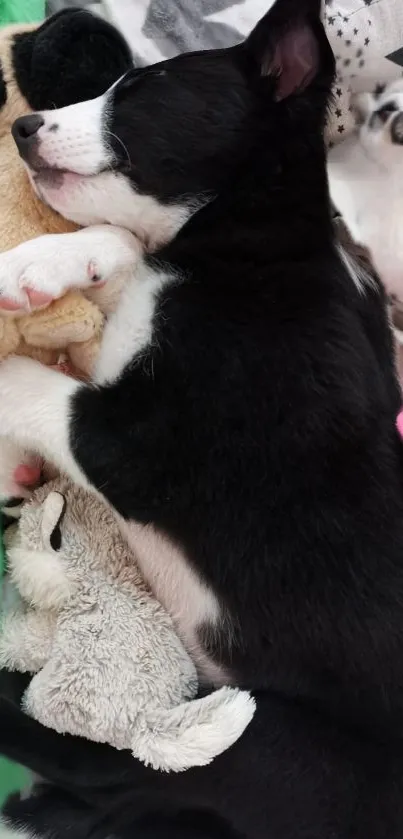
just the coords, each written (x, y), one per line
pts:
(366, 36)
(367, 39)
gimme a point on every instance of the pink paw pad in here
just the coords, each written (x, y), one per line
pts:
(9, 305)
(27, 476)
(93, 275)
(38, 299)
(399, 423)
(92, 271)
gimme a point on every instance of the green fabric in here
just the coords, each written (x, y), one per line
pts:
(12, 776)
(2, 554)
(12, 779)
(21, 11)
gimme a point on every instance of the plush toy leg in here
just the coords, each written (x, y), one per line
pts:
(26, 640)
(194, 733)
(51, 699)
(40, 578)
(35, 411)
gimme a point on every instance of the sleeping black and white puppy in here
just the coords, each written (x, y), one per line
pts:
(242, 422)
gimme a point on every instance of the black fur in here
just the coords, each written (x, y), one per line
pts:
(262, 439)
(72, 57)
(3, 88)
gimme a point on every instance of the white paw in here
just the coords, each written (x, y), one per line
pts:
(43, 269)
(24, 385)
(35, 408)
(20, 470)
(18, 377)
(39, 271)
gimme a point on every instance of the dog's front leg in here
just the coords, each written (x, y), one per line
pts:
(19, 470)
(43, 269)
(36, 412)
(98, 260)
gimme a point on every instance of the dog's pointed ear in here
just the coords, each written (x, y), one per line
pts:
(289, 45)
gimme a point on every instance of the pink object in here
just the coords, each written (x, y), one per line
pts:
(9, 305)
(399, 423)
(63, 367)
(27, 475)
(38, 299)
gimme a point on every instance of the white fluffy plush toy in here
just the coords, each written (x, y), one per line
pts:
(108, 663)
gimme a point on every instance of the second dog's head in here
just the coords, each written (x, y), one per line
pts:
(166, 139)
(380, 122)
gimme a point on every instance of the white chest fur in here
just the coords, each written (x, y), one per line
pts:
(189, 602)
(129, 330)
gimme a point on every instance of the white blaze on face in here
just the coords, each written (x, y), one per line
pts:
(75, 138)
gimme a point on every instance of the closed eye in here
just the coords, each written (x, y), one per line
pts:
(386, 110)
(134, 78)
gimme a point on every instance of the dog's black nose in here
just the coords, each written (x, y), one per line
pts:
(25, 131)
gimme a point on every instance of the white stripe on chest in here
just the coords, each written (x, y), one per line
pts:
(178, 588)
(9, 832)
(129, 330)
(128, 334)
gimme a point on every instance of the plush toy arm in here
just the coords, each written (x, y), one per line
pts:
(72, 324)
(9, 337)
(72, 319)
(55, 701)
(83, 357)
(26, 640)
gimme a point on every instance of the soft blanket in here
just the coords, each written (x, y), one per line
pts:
(366, 36)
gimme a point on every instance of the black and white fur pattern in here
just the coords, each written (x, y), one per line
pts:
(365, 174)
(242, 424)
(72, 56)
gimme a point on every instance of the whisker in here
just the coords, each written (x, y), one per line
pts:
(125, 149)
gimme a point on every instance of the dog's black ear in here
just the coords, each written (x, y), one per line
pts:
(72, 57)
(289, 45)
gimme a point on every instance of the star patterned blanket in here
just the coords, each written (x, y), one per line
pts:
(366, 36)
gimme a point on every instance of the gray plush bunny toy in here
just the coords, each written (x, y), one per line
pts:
(107, 661)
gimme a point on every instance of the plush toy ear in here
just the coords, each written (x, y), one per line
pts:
(72, 57)
(289, 44)
(53, 511)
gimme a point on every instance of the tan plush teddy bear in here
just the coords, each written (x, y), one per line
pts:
(72, 56)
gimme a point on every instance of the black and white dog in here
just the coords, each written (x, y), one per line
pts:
(242, 423)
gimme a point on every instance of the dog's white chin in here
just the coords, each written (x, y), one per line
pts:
(80, 198)
(110, 198)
